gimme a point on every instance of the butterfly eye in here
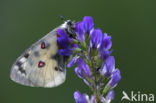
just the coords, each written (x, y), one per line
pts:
(41, 64)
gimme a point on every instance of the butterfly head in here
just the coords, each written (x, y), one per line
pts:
(69, 27)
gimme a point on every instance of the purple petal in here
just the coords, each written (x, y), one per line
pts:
(62, 33)
(110, 62)
(105, 46)
(65, 52)
(74, 46)
(80, 63)
(104, 54)
(79, 28)
(63, 40)
(88, 24)
(106, 42)
(109, 66)
(96, 38)
(79, 98)
(115, 78)
(110, 96)
(80, 73)
(85, 68)
(104, 69)
(72, 62)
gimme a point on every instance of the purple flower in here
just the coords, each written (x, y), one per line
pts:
(105, 46)
(65, 52)
(110, 96)
(79, 98)
(65, 43)
(92, 50)
(115, 78)
(84, 27)
(80, 72)
(79, 28)
(83, 69)
(88, 24)
(72, 62)
(74, 46)
(109, 66)
(104, 54)
(106, 42)
(62, 39)
(96, 38)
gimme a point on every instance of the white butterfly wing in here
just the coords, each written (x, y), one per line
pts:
(40, 66)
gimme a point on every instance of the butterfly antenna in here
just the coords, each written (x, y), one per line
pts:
(62, 18)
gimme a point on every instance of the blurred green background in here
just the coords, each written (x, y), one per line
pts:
(131, 23)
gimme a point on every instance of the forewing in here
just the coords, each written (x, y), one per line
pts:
(40, 66)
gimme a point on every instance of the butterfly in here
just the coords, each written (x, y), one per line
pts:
(40, 65)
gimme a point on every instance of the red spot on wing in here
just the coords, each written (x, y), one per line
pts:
(43, 45)
(41, 64)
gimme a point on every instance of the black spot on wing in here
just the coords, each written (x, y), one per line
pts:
(22, 70)
(18, 63)
(58, 69)
(36, 53)
(55, 57)
(30, 61)
(61, 62)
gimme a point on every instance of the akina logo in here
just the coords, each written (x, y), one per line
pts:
(137, 96)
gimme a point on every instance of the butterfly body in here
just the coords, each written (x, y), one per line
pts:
(40, 65)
